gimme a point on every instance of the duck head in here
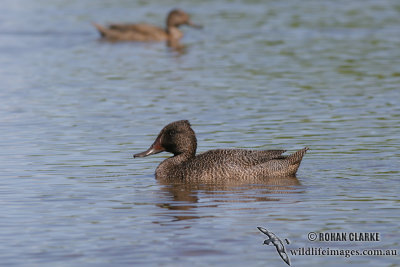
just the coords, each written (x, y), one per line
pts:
(177, 138)
(178, 17)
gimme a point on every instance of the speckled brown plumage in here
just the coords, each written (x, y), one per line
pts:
(219, 164)
(146, 32)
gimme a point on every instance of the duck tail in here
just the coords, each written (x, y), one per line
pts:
(297, 156)
(102, 30)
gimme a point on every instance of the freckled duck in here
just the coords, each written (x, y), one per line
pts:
(148, 33)
(217, 165)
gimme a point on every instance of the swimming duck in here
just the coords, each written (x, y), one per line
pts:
(147, 32)
(216, 165)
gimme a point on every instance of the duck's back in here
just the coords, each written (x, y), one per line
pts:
(132, 32)
(148, 31)
(239, 157)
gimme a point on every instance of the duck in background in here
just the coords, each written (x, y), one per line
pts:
(219, 165)
(149, 33)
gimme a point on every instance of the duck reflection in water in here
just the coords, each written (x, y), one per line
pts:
(142, 32)
(184, 198)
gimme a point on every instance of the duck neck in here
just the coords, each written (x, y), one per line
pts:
(185, 155)
(171, 165)
(173, 35)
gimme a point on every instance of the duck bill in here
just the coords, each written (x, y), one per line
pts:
(154, 149)
(193, 25)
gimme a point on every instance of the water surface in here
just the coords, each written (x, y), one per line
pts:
(260, 74)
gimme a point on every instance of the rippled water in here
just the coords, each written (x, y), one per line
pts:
(260, 74)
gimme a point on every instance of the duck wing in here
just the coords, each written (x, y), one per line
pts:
(140, 27)
(263, 155)
(222, 165)
(243, 164)
(281, 166)
(132, 32)
(241, 158)
(148, 30)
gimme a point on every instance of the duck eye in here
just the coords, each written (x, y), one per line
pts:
(172, 132)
